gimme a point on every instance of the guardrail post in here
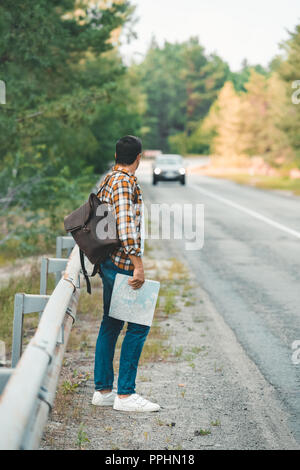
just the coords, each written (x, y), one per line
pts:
(17, 329)
(48, 266)
(63, 243)
(24, 304)
(44, 276)
(58, 247)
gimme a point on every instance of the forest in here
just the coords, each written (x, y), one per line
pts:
(70, 96)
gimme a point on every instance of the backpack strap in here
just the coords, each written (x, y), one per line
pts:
(106, 180)
(84, 272)
(96, 266)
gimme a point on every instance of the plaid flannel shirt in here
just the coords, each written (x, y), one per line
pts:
(123, 193)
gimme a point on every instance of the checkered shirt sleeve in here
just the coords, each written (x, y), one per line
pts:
(128, 231)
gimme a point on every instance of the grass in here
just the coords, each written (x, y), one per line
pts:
(216, 423)
(166, 287)
(29, 284)
(189, 303)
(197, 350)
(78, 340)
(69, 387)
(156, 347)
(143, 378)
(147, 248)
(13, 250)
(283, 183)
(178, 351)
(189, 357)
(91, 304)
(170, 303)
(153, 351)
(81, 437)
(178, 268)
(64, 400)
(202, 432)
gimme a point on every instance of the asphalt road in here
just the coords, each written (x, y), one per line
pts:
(249, 266)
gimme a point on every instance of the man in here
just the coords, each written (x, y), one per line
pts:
(122, 191)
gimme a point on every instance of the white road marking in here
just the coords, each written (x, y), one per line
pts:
(254, 214)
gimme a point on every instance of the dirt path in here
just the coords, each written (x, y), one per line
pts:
(19, 267)
(212, 395)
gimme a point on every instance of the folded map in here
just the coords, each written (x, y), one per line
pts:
(133, 305)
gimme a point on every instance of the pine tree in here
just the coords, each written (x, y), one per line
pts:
(180, 83)
(248, 124)
(224, 120)
(263, 104)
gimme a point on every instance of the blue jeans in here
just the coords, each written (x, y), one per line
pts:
(109, 331)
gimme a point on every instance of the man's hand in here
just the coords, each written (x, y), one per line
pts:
(138, 278)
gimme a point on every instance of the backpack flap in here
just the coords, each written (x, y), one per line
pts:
(79, 218)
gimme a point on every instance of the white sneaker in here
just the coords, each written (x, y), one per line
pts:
(135, 403)
(104, 399)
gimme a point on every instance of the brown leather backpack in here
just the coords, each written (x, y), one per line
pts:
(82, 224)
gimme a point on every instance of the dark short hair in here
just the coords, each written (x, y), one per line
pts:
(127, 149)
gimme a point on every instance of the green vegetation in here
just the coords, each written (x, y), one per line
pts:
(91, 304)
(156, 347)
(30, 284)
(81, 437)
(178, 351)
(215, 423)
(170, 303)
(69, 387)
(197, 349)
(69, 97)
(180, 83)
(247, 124)
(202, 432)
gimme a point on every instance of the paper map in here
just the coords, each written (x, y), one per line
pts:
(134, 306)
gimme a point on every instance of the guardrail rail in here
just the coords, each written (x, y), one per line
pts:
(28, 388)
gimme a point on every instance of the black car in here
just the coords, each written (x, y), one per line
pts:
(168, 168)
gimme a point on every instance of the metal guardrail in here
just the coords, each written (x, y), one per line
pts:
(28, 390)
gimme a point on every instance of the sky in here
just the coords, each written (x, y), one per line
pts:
(234, 29)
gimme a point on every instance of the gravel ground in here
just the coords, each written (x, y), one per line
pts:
(212, 395)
